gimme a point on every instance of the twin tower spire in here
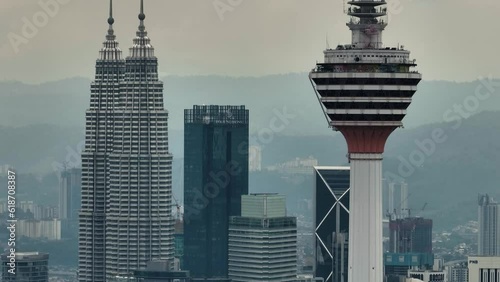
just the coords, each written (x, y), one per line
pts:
(141, 47)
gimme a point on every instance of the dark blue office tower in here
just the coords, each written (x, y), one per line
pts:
(215, 177)
(331, 217)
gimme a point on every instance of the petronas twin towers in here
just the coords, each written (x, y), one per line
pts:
(126, 218)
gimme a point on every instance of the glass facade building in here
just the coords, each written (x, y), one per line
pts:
(331, 220)
(30, 267)
(70, 198)
(215, 178)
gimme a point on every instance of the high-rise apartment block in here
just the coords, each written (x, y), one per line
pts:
(255, 158)
(70, 195)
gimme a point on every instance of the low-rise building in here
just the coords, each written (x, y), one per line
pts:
(484, 269)
(29, 266)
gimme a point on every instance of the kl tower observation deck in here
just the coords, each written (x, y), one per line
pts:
(364, 90)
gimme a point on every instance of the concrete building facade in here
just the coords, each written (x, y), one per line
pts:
(263, 241)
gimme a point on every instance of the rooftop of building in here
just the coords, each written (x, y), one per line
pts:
(28, 256)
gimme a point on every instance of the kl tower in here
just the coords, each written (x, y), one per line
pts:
(364, 90)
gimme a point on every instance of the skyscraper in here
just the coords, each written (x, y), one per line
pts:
(215, 178)
(489, 226)
(70, 197)
(263, 241)
(364, 90)
(99, 135)
(397, 200)
(331, 222)
(126, 219)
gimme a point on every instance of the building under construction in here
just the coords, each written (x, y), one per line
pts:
(410, 235)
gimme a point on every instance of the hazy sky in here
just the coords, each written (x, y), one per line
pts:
(451, 39)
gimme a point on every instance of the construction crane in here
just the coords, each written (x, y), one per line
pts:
(423, 208)
(395, 213)
(178, 216)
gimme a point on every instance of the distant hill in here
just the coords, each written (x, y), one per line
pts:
(448, 178)
(63, 103)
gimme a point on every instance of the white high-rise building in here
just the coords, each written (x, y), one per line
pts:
(126, 217)
(489, 226)
(263, 241)
(255, 158)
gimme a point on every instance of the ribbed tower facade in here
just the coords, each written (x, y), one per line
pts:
(139, 224)
(130, 211)
(99, 138)
(364, 90)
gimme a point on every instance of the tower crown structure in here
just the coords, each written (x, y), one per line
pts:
(364, 90)
(142, 47)
(110, 50)
(363, 87)
(368, 20)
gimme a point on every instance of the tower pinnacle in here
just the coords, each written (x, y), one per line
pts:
(111, 20)
(142, 29)
(111, 33)
(142, 16)
(110, 49)
(142, 44)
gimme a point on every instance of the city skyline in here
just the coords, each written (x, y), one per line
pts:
(248, 197)
(188, 30)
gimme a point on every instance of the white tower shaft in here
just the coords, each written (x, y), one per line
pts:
(365, 219)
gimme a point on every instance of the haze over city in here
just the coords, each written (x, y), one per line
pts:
(246, 141)
(253, 38)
